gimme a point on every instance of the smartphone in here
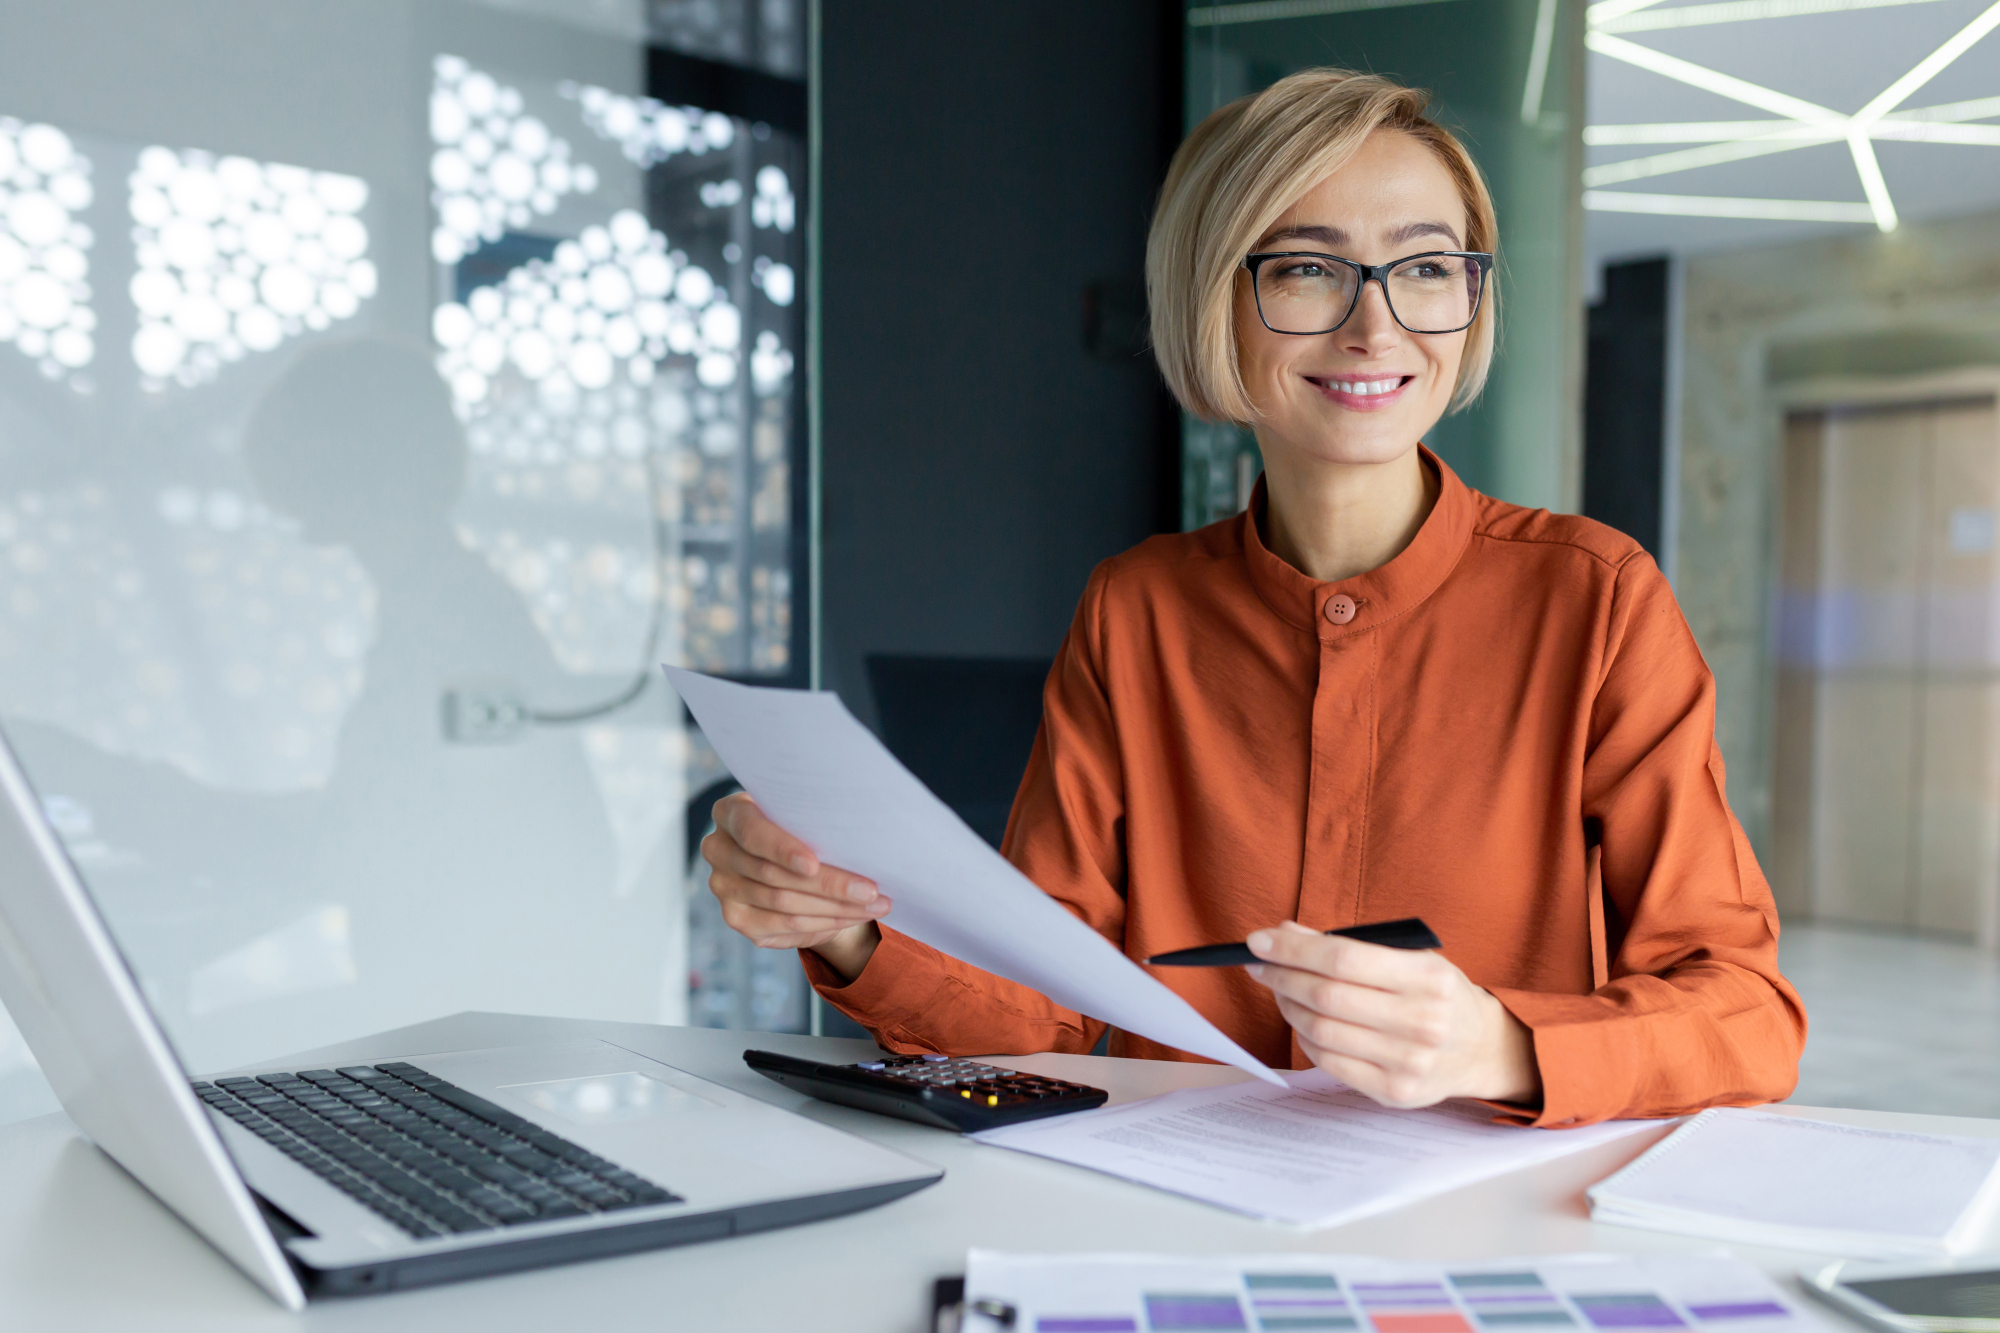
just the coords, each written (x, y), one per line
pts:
(1953, 1297)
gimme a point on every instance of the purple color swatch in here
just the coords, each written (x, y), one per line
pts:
(1205, 1312)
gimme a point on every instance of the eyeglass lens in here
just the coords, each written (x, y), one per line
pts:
(1306, 294)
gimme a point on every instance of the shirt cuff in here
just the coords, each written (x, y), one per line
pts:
(880, 997)
(1585, 1063)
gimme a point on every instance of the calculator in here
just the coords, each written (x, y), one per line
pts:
(936, 1090)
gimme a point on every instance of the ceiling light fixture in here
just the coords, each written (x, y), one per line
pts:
(1696, 131)
(1929, 67)
(1735, 11)
(1872, 184)
(1817, 124)
(1607, 10)
(1931, 124)
(1731, 149)
(1984, 135)
(1709, 206)
(1858, 141)
(1709, 80)
(1687, 159)
(1979, 108)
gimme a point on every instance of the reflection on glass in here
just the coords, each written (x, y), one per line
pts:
(234, 256)
(600, 365)
(307, 954)
(100, 627)
(355, 458)
(766, 34)
(629, 360)
(495, 167)
(45, 308)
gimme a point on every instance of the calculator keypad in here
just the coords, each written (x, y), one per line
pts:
(981, 1084)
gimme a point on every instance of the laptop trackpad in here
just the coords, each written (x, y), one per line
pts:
(604, 1099)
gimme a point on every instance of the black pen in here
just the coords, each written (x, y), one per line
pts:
(1408, 933)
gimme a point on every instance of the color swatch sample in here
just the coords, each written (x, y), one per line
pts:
(1186, 1313)
(1511, 1300)
(1307, 1293)
(1298, 1301)
(1410, 1307)
(1638, 1309)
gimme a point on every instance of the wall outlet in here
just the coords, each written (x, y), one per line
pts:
(484, 715)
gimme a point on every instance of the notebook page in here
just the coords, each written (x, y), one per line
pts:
(1785, 1171)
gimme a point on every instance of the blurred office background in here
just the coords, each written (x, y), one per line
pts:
(386, 387)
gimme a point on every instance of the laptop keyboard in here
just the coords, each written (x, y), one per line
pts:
(429, 1156)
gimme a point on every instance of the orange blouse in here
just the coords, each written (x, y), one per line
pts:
(1511, 736)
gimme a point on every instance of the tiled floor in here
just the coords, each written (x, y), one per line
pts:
(1898, 1022)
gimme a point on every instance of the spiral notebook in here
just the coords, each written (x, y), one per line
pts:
(1765, 1178)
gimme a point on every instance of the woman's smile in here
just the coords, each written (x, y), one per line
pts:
(1361, 392)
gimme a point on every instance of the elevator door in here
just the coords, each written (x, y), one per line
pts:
(1888, 710)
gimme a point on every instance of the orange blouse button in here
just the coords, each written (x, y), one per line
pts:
(1340, 608)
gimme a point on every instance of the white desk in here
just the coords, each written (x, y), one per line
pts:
(84, 1248)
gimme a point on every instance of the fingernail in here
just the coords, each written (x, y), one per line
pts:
(880, 907)
(802, 864)
(860, 890)
(1256, 971)
(1260, 941)
(1298, 929)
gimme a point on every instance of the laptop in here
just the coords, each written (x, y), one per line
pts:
(410, 1169)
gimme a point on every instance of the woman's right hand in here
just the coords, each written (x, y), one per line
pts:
(775, 893)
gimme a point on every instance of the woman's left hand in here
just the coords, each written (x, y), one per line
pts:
(1405, 1027)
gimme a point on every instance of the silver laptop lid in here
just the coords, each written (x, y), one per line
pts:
(80, 1010)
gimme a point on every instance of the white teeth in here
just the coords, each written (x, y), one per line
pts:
(1365, 387)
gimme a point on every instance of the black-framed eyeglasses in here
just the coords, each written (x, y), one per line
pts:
(1302, 292)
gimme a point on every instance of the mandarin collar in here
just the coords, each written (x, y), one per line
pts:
(1380, 595)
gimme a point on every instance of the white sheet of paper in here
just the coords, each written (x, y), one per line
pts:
(1122, 1293)
(823, 776)
(1760, 1178)
(1312, 1153)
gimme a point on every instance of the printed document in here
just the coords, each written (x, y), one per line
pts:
(1607, 1293)
(1314, 1152)
(820, 774)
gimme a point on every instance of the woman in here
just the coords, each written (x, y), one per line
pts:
(1375, 694)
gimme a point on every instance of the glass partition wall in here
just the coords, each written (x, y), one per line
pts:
(386, 388)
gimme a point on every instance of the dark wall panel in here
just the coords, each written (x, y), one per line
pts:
(1624, 401)
(985, 166)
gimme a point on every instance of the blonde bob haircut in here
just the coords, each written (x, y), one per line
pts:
(1234, 178)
